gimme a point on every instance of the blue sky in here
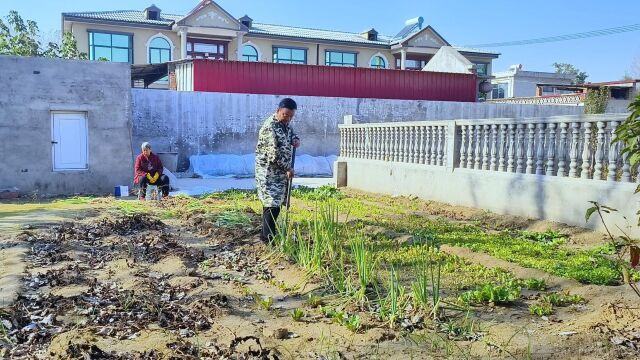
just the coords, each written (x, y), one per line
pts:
(461, 22)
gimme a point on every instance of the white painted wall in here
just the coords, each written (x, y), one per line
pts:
(540, 197)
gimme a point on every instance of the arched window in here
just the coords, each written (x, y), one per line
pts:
(378, 62)
(159, 51)
(249, 53)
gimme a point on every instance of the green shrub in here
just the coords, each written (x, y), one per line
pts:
(494, 294)
(542, 308)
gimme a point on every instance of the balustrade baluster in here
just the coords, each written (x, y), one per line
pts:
(367, 142)
(411, 143)
(502, 154)
(349, 142)
(586, 152)
(478, 145)
(346, 142)
(520, 149)
(562, 150)
(360, 143)
(420, 144)
(511, 146)
(612, 169)
(442, 133)
(463, 146)
(401, 144)
(574, 150)
(445, 141)
(540, 149)
(407, 139)
(396, 143)
(597, 174)
(376, 143)
(485, 147)
(471, 147)
(354, 142)
(373, 143)
(433, 145)
(342, 143)
(493, 166)
(427, 145)
(379, 143)
(551, 150)
(530, 147)
(387, 143)
(405, 144)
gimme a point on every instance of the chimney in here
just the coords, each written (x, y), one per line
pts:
(246, 21)
(152, 13)
(371, 34)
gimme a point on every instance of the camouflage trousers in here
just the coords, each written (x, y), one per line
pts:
(271, 183)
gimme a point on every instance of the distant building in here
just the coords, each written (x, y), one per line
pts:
(516, 82)
(622, 92)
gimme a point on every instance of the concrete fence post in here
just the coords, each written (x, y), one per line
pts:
(453, 146)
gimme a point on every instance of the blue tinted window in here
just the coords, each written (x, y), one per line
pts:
(337, 58)
(289, 56)
(249, 53)
(378, 62)
(112, 47)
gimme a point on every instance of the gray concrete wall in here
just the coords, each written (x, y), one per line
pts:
(203, 123)
(540, 197)
(32, 88)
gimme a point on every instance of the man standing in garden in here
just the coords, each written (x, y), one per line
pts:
(274, 153)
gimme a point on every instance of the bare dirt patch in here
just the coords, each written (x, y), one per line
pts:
(201, 285)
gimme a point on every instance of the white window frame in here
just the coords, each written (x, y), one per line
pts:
(254, 46)
(159, 35)
(86, 129)
(386, 61)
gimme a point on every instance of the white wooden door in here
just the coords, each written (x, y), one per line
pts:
(69, 141)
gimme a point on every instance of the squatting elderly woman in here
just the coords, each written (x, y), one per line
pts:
(148, 170)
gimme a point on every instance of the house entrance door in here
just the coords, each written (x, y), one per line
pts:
(69, 141)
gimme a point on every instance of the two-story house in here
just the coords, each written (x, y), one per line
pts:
(150, 36)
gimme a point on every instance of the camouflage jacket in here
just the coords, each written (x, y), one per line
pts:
(273, 160)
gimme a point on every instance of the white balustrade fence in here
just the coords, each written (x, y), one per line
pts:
(409, 142)
(563, 146)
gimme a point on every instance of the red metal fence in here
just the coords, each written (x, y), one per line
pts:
(314, 80)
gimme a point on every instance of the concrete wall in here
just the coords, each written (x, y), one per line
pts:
(541, 197)
(203, 123)
(32, 88)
